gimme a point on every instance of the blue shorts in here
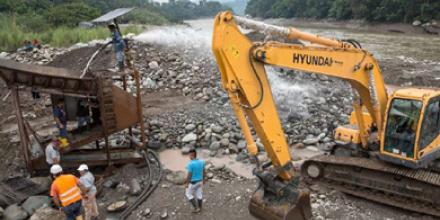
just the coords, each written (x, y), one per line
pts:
(73, 210)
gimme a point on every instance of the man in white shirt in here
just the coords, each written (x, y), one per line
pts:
(89, 199)
(53, 152)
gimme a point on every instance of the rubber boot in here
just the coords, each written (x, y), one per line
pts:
(194, 204)
(200, 202)
(121, 66)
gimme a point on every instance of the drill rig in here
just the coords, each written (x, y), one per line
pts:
(387, 153)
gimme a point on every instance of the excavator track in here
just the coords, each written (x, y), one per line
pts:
(410, 189)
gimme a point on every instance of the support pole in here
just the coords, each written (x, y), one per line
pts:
(124, 86)
(136, 76)
(24, 139)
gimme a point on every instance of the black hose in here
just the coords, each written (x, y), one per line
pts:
(147, 192)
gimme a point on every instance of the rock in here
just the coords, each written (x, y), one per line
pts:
(416, 23)
(185, 149)
(190, 127)
(135, 187)
(321, 136)
(110, 184)
(117, 206)
(217, 181)
(146, 212)
(164, 214)
(224, 142)
(217, 129)
(1, 212)
(312, 148)
(123, 188)
(296, 157)
(177, 177)
(189, 138)
(215, 145)
(262, 158)
(153, 65)
(14, 212)
(35, 202)
(210, 175)
(43, 182)
(311, 141)
(241, 144)
(241, 156)
(155, 145)
(299, 146)
(233, 148)
(149, 84)
(47, 213)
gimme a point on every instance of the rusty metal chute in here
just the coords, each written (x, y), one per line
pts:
(119, 110)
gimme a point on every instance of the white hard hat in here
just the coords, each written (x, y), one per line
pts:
(83, 167)
(55, 169)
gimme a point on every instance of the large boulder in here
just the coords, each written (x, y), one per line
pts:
(43, 182)
(47, 213)
(178, 177)
(15, 212)
(35, 202)
(189, 138)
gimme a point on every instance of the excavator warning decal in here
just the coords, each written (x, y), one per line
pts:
(312, 60)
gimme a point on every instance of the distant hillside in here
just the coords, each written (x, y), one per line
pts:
(370, 10)
(238, 6)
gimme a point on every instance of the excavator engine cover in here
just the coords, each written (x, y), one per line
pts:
(276, 200)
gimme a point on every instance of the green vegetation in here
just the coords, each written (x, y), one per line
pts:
(369, 10)
(12, 35)
(56, 21)
(177, 11)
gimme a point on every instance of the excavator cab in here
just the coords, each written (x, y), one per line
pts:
(412, 128)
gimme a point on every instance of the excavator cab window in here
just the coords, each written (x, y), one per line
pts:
(401, 127)
(431, 123)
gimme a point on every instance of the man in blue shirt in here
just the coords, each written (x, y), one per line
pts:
(194, 182)
(118, 45)
(60, 118)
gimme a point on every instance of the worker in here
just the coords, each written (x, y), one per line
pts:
(118, 46)
(83, 115)
(60, 118)
(28, 47)
(89, 199)
(66, 192)
(36, 44)
(53, 152)
(194, 181)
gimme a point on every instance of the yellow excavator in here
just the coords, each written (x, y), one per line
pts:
(388, 153)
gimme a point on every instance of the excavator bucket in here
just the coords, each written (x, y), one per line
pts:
(270, 207)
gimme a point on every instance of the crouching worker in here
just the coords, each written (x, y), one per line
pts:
(66, 193)
(89, 199)
(194, 182)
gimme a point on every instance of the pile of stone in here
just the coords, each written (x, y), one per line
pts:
(37, 56)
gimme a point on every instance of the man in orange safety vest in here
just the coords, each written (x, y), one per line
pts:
(66, 193)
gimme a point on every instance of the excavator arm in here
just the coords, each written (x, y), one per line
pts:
(241, 64)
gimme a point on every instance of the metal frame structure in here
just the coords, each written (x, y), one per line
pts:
(119, 111)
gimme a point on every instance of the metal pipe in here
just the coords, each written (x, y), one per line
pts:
(289, 33)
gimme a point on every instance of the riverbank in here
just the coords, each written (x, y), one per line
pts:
(355, 25)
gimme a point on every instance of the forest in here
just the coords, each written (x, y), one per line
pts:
(369, 10)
